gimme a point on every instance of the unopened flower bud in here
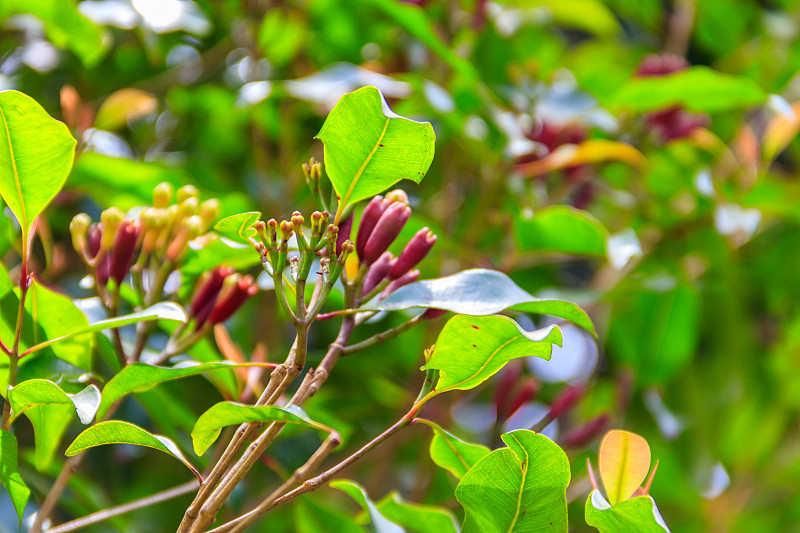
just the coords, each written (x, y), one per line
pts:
(397, 195)
(344, 232)
(333, 237)
(347, 248)
(111, 218)
(414, 252)
(565, 400)
(272, 225)
(123, 249)
(506, 380)
(316, 224)
(95, 239)
(386, 231)
(372, 213)
(206, 294)
(409, 277)
(190, 228)
(209, 211)
(162, 194)
(287, 229)
(297, 219)
(377, 272)
(261, 229)
(189, 207)
(187, 191)
(78, 228)
(586, 433)
(233, 300)
(526, 393)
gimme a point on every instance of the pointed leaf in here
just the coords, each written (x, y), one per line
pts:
(470, 350)
(638, 514)
(380, 523)
(517, 489)
(17, 490)
(238, 227)
(451, 453)
(479, 292)
(118, 432)
(624, 462)
(35, 392)
(417, 518)
(369, 148)
(36, 153)
(208, 426)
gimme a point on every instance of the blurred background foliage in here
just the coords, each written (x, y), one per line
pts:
(671, 215)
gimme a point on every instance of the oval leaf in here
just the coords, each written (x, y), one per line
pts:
(118, 432)
(36, 153)
(369, 148)
(451, 453)
(470, 350)
(517, 489)
(638, 514)
(35, 392)
(17, 490)
(238, 227)
(624, 462)
(417, 518)
(380, 523)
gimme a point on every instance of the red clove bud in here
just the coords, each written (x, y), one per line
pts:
(409, 277)
(344, 233)
(123, 249)
(527, 392)
(233, 300)
(586, 433)
(372, 213)
(206, 294)
(565, 400)
(414, 252)
(386, 231)
(377, 272)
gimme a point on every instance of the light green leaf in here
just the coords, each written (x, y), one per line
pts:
(517, 489)
(159, 311)
(208, 426)
(561, 229)
(50, 422)
(118, 432)
(35, 392)
(697, 89)
(417, 518)
(17, 490)
(380, 524)
(218, 252)
(238, 227)
(638, 514)
(140, 377)
(479, 292)
(36, 153)
(311, 517)
(470, 350)
(451, 453)
(369, 148)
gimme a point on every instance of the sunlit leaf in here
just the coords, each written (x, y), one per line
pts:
(517, 489)
(416, 517)
(17, 490)
(638, 514)
(238, 227)
(590, 151)
(380, 524)
(562, 229)
(35, 392)
(369, 148)
(451, 453)
(118, 432)
(624, 460)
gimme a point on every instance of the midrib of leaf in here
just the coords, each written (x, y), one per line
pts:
(24, 215)
(485, 363)
(622, 466)
(522, 484)
(360, 171)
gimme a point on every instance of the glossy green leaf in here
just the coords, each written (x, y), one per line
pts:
(561, 229)
(369, 148)
(415, 517)
(35, 392)
(118, 432)
(238, 227)
(479, 292)
(208, 426)
(451, 453)
(470, 349)
(36, 153)
(16, 488)
(312, 517)
(140, 377)
(697, 88)
(517, 489)
(638, 514)
(50, 423)
(380, 524)
(159, 311)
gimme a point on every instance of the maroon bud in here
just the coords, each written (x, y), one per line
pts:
(377, 272)
(655, 65)
(95, 236)
(386, 231)
(233, 300)
(405, 279)
(586, 433)
(207, 293)
(505, 385)
(414, 252)
(372, 213)
(345, 228)
(123, 249)
(527, 392)
(565, 400)
(433, 313)
(674, 123)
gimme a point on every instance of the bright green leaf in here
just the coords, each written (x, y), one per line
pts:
(517, 489)
(369, 148)
(238, 227)
(561, 229)
(451, 453)
(17, 490)
(638, 514)
(35, 392)
(380, 523)
(415, 517)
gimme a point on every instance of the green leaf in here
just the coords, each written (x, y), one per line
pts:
(50, 422)
(369, 148)
(140, 377)
(118, 432)
(218, 252)
(311, 517)
(517, 489)
(159, 311)
(697, 89)
(208, 426)
(35, 157)
(17, 490)
(638, 514)
(238, 227)
(380, 524)
(417, 518)
(561, 229)
(470, 350)
(479, 292)
(36, 392)
(451, 453)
